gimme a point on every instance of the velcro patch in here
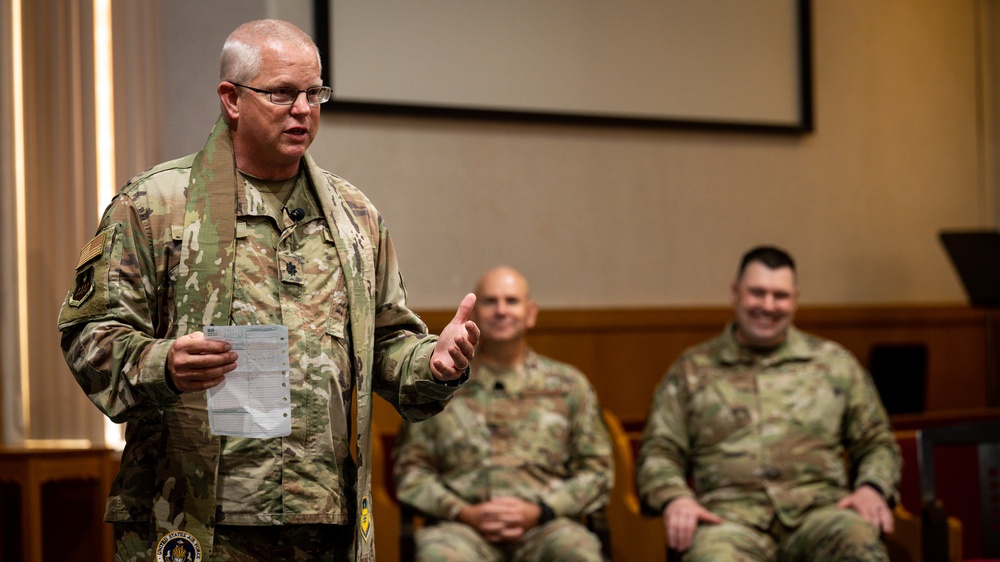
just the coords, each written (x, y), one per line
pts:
(93, 248)
(83, 287)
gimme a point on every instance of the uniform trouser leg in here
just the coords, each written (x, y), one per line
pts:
(731, 542)
(561, 540)
(131, 541)
(449, 541)
(834, 534)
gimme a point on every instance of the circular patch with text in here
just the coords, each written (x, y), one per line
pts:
(178, 546)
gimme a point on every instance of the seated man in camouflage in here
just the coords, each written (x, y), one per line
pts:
(520, 454)
(760, 419)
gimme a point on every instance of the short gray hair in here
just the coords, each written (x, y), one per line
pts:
(241, 53)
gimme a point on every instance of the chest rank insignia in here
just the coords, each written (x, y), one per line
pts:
(365, 519)
(178, 546)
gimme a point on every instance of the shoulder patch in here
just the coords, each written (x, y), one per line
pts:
(93, 248)
(83, 286)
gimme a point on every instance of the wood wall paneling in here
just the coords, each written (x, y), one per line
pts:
(625, 352)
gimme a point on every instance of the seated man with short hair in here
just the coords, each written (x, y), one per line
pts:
(760, 419)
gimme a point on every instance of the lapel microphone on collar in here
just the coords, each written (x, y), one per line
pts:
(294, 214)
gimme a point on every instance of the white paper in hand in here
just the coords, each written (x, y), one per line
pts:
(254, 400)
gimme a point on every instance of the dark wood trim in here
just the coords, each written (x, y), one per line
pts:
(679, 318)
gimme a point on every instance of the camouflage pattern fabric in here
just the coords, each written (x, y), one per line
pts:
(135, 285)
(560, 540)
(764, 437)
(285, 288)
(533, 432)
(826, 534)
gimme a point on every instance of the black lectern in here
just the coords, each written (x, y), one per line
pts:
(975, 254)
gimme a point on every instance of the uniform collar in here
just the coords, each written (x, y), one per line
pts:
(302, 197)
(512, 379)
(732, 352)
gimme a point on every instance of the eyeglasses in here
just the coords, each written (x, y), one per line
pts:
(287, 96)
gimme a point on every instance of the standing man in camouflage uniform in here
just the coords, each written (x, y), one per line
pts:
(760, 419)
(250, 231)
(519, 455)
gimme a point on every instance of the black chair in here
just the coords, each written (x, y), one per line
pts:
(985, 437)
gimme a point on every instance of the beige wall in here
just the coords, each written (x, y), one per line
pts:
(619, 216)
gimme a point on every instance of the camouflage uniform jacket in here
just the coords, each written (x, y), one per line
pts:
(155, 255)
(533, 432)
(761, 435)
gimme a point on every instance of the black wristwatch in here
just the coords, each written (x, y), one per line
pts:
(890, 501)
(547, 514)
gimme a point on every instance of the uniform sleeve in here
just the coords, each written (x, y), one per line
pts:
(591, 466)
(872, 447)
(665, 445)
(403, 348)
(109, 319)
(417, 481)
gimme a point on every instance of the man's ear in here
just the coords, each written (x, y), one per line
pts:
(229, 96)
(529, 322)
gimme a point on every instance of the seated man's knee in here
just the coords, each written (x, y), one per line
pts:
(832, 533)
(561, 540)
(730, 541)
(451, 542)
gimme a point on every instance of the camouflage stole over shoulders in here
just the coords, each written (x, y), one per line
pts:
(185, 498)
(204, 289)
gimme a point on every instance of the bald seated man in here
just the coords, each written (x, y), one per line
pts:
(520, 454)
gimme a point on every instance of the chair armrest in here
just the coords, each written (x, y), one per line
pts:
(934, 531)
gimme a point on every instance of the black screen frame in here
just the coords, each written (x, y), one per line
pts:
(322, 14)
